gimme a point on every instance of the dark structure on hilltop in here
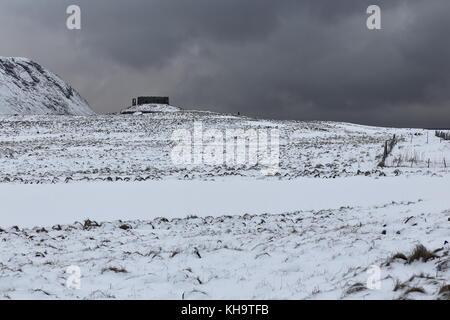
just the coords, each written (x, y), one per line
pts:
(150, 100)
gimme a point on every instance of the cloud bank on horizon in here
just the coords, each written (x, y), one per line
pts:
(289, 59)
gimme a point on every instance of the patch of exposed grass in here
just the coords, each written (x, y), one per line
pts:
(445, 290)
(415, 289)
(421, 253)
(88, 224)
(125, 227)
(443, 265)
(174, 253)
(357, 287)
(421, 276)
(115, 269)
(399, 286)
(396, 256)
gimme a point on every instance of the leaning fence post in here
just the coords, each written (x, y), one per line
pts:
(385, 149)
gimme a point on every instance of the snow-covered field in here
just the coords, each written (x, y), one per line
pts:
(311, 231)
(46, 149)
(47, 204)
(298, 255)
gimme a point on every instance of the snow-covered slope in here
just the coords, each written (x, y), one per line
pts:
(27, 88)
(146, 108)
(324, 254)
(58, 149)
(319, 228)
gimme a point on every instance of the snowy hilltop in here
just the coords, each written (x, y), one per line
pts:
(150, 108)
(26, 88)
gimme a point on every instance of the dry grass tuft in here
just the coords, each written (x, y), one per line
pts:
(443, 265)
(174, 253)
(445, 289)
(114, 269)
(415, 289)
(396, 256)
(357, 287)
(88, 224)
(125, 227)
(421, 253)
(399, 286)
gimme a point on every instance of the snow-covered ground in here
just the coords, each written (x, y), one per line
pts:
(299, 255)
(53, 149)
(312, 230)
(421, 150)
(29, 205)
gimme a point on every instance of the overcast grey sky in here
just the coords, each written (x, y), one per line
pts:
(287, 59)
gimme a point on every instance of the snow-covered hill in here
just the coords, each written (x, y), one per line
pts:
(58, 149)
(26, 88)
(149, 108)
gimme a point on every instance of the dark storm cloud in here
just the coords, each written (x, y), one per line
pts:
(283, 59)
